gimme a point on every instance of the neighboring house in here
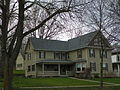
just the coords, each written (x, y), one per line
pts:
(20, 62)
(116, 60)
(67, 58)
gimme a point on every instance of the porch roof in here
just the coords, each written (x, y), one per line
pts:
(80, 60)
(61, 61)
(56, 61)
(118, 62)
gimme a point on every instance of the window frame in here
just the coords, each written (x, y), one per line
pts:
(33, 68)
(93, 66)
(91, 54)
(79, 53)
(42, 54)
(29, 68)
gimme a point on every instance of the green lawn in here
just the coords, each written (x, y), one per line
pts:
(19, 72)
(47, 82)
(110, 80)
(56, 81)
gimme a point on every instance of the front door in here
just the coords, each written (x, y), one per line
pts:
(62, 69)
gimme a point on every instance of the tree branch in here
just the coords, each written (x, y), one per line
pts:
(45, 20)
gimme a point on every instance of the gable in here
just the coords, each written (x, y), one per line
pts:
(81, 41)
(98, 40)
(28, 46)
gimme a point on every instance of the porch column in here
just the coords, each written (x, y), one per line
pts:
(58, 69)
(43, 68)
(118, 70)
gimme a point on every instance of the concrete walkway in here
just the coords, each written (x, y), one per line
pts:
(95, 81)
(68, 86)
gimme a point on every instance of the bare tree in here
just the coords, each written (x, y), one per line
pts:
(97, 19)
(114, 14)
(13, 15)
(49, 30)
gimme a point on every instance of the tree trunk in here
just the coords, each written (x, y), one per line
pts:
(8, 74)
(1, 68)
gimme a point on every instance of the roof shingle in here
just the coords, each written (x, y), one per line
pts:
(56, 45)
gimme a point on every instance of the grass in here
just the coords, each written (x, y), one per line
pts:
(76, 88)
(110, 80)
(18, 72)
(48, 82)
(59, 81)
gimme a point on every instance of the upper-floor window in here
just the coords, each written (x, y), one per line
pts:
(28, 56)
(97, 41)
(57, 55)
(92, 52)
(67, 55)
(103, 53)
(63, 55)
(60, 55)
(42, 54)
(79, 53)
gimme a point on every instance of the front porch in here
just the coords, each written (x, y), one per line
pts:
(116, 69)
(56, 68)
(53, 69)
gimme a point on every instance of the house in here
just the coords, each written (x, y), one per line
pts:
(67, 58)
(20, 62)
(116, 60)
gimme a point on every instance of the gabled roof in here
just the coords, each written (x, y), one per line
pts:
(50, 45)
(57, 45)
(81, 41)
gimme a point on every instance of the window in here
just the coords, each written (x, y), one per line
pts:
(51, 67)
(92, 52)
(29, 68)
(28, 56)
(57, 55)
(19, 65)
(105, 66)
(68, 55)
(33, 67)
(96, 41)
(93, 66)
(79, 53)
(63, 55)
(80, 67)
(42, 54)
(104, 53)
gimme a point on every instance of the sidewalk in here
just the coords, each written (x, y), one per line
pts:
(96, 81)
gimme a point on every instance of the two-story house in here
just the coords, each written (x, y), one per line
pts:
(116, 60)
(67, 58)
